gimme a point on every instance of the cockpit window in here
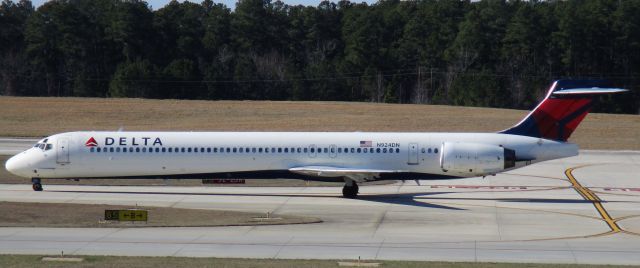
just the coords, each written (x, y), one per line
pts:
(43, 146)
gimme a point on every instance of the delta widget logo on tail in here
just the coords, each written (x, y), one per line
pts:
(91, 142)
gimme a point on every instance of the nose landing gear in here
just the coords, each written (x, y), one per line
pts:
(36, 184)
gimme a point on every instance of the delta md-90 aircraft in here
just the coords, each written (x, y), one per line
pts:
(352, 157)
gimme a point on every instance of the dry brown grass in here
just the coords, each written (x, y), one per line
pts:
(17, 214)
(33, 117)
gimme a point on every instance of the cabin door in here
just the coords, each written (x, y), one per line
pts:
(413, 154)
(62, 151)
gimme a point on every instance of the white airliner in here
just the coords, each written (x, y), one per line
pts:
(328, 156)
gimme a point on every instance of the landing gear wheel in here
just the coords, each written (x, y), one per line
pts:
(37, 187)
(350, 191)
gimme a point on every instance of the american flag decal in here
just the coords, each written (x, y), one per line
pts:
(365, 143)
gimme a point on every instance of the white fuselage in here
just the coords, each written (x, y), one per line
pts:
(158, 154)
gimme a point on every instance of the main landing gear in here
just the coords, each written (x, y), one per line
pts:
(350, 189)
(37, 186)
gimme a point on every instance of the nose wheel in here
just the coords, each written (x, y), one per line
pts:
(37, 186)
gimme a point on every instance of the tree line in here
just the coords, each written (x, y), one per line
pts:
(486, 53)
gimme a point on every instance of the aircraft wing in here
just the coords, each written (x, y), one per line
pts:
(356, 174)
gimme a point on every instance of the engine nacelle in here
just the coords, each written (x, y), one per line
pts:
(474, 159)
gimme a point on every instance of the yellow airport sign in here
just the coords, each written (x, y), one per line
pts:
(126, 215)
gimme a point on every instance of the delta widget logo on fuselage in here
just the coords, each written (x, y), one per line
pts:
(125, 141)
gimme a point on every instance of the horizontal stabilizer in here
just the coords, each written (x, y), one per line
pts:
(589, 91)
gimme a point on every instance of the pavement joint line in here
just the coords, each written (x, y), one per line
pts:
(283, 246)
(380, 248)
(78, 249)
(178, 201)
(380, 220)
(626, 217)
(589, 195)
(615, 193)
(475, 251)
(496, 208)
(279, 207)
(536, 176)
(573, 254)
(631, 233)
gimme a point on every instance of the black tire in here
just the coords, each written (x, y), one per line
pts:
(37, 187)
(350, 192)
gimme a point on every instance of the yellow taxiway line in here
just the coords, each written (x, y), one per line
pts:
(589, 195)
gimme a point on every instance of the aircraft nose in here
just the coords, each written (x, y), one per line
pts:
(18, 166)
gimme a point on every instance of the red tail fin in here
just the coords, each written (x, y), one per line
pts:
(562, 110)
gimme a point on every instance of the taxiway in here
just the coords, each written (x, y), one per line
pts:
(583, 209)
